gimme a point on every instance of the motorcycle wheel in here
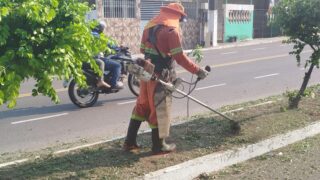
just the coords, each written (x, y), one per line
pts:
(82, 97)
(134, 84)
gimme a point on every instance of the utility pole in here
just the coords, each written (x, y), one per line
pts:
(100, 9)
(213, 22)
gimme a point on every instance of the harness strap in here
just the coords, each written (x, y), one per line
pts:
(166, 61)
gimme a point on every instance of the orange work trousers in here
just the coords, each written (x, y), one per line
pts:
(154, 106)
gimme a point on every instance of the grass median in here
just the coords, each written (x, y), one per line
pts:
(200, 135)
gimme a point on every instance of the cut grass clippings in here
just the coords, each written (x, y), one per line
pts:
(201, 135)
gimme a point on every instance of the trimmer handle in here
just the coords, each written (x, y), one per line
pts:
(207, 69)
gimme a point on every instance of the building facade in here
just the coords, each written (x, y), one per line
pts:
(126, 19)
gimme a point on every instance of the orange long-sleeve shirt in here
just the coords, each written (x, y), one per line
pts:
(169, 44)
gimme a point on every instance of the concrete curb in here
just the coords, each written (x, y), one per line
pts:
(236, 44)
(217, 161)
(246, 43)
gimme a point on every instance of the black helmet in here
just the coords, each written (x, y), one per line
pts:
(100, 27)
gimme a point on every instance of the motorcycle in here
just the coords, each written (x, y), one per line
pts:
(84, 97)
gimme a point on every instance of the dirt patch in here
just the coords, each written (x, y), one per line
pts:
(200, 135)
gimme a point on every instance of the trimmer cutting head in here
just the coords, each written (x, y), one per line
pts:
(235, 127)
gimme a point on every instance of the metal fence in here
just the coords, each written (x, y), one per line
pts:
(262, 26)
(119, 8)
(150, 8)
(191, 9)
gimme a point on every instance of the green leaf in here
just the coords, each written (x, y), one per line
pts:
(2, 71)
(12, 104)
(4, 11)
(197, 54)
(51, 15)
(1, 96)
(47, 38)
(34, 92)
(55, 3)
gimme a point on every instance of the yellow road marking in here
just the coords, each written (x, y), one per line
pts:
(243, 61)
(29, 94)
(212, 66)
(248, 61)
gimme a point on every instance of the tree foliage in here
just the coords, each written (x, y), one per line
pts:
(44, 39)
(300, 21)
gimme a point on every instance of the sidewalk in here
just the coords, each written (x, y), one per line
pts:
(235, 44)
(247, 43)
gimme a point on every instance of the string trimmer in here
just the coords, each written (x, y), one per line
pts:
(144, 70)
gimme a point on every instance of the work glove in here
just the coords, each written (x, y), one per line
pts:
(202, 74)
(146, 64)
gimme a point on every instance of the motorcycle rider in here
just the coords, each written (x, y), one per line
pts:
(104, 63)
(161, 44)
(96, 33)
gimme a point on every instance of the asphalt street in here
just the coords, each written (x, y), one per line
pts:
(238, 74)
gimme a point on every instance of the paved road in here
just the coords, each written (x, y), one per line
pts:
(239, 74)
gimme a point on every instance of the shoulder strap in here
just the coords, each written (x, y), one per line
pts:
(153, 38)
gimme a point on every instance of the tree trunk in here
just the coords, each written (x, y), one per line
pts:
(294, 103)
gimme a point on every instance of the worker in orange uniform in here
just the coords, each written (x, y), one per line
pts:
(161, 45)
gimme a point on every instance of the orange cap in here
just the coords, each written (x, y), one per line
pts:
(175, 8)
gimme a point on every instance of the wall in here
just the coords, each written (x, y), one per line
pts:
(221, 19)
(238, 21)
(125, 31)
(191, 30)
(190, 34)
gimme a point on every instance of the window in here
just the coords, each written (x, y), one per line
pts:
(150, 8)
(119, 8)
